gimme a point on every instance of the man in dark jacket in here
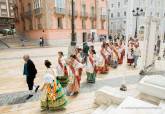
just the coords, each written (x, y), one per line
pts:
(85, 51)
(30, 72)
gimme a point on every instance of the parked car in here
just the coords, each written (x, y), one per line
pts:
(7, 32)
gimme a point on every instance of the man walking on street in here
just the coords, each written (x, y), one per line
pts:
(40, 42)
(85, 51)
(30, 72)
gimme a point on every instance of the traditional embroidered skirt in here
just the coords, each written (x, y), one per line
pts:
(63, 80)
(120, 60)
(91, 77)
(130, 61)
(74, 86)
(102, 69)
(56, 101)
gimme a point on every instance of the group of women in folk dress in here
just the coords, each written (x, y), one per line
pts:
(111, 55)
(68, 72)
(66, 76)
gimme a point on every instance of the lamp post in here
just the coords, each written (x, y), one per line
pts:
(108, 23)
(73, 38)
(137, 12)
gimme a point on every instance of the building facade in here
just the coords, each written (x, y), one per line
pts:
(123, 21)
(52, 18)
(6, 14)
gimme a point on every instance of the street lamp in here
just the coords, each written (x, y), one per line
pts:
(137, 12)
(73, 38)
(108, 23)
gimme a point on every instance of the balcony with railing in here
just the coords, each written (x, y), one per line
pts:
(103, 17)
(38, 12)
(28, 14)
(59, 11)
(84, 14)
(75, 13)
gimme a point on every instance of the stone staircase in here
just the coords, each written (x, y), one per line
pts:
(112, 101)
(11, 41)
(3, 45)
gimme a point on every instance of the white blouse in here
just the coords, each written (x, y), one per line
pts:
(49, 76)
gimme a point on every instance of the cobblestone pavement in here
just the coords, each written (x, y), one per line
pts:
(20, 97)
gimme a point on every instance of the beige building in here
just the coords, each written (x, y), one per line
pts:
(52, 18)
(6, 13)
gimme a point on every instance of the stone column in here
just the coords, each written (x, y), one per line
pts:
(150, 35)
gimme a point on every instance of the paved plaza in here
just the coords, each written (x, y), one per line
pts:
(13, 88)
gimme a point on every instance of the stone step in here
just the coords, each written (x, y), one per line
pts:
(16, 42)
(108, 95)
(162, 105)
(100, 109)
(110, 109)
(3, 46)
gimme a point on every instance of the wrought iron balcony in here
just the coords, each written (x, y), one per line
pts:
(28, 14)
(38, 11)
(103, 17)
(84, 14)
(59, 11)
(75, 13)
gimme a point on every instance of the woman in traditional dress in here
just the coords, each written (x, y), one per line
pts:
(53, 97)
(121, 53)
(130, 59)
(109, 52)
(102, 67)
(79, 59)
(114, 58)
(74, 78)
(91, 67)
(62, 73)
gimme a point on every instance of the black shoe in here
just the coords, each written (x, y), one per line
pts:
(29, 97)
(37, 88)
